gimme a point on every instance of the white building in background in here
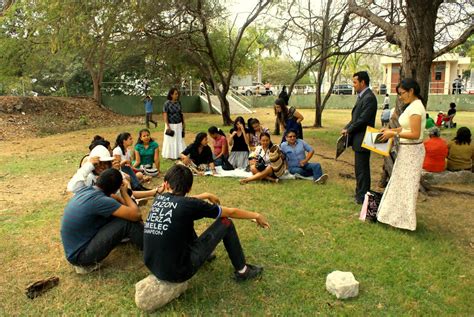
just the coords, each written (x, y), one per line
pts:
(444, 70)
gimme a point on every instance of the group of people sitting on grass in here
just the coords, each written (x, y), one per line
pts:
(252, 149)
(109, 183)
(455, 155)
(248, 147)
(103, 213)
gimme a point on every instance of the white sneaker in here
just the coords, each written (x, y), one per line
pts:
(298, 176)
(322, 180)
(82, 270)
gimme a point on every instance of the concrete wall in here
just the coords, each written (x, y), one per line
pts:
(133, 105)
(435, 102)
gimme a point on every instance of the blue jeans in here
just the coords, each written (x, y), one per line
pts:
(201, 248)
(310, 169)
(134, 182)
(108, 237)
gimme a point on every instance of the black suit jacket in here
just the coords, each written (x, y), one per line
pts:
(363, 115)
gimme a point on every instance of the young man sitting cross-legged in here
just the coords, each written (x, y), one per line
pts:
(95, 223)
(172, 250)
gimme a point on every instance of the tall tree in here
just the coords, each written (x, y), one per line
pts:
(200, 31)
(422, 29)
(205, 53)
(329, 36)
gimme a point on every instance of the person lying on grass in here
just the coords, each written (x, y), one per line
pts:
(98, 161)
(172, 250)
(94, 223)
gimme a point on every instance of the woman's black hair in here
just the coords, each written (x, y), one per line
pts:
(119, 141)
(98, 140)
(241, 120)
(215, 130)
(463, 136)
(180, 179)
(283, 115)
(410, 83)
(139, 141)
(386, 107)
(452, 105)
(198, 139)
(250, 123)
(268, 136)
(171, 92)
(284, 95)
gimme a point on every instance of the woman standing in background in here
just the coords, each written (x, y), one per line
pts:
(173, 139)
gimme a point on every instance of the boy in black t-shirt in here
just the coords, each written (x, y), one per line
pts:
(172, 250)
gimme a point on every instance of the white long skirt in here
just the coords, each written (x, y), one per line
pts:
(239, 159)
(173, 145)
(398, 205)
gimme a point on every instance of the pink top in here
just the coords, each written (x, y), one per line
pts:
(218, 143)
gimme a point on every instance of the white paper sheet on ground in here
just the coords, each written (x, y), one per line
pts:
(241, 173)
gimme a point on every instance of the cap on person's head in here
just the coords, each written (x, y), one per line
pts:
(441, 112)
(434, 131)
(102, 152)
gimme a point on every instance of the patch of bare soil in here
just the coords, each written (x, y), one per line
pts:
(39, 116)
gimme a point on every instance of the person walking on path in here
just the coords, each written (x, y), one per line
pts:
(363, 115)
(148, 101)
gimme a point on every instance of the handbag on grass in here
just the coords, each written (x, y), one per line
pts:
(226, 166)
(370, 206)
(276, 161)
(149, 170)
(169, 132)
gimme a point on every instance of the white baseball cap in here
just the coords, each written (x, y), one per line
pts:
(102, 152)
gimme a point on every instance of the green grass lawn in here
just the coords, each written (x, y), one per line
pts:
(314, 231)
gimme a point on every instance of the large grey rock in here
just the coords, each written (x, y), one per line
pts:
(152, 293)
(342, 284)
(446, 177)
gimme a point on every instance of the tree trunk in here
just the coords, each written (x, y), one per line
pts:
(319, 112)
(417, 47)
(318, 99)
(225, 108)
(208, 96)
(97, 95)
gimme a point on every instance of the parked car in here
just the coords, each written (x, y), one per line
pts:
(255, 89)
(343, 89)
(309, 90)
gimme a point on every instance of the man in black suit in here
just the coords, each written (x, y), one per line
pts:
(363, 115)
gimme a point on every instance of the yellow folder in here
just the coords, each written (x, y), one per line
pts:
(369, 142)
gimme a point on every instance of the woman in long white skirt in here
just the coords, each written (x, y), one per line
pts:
(173, 139)
(398, 205)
